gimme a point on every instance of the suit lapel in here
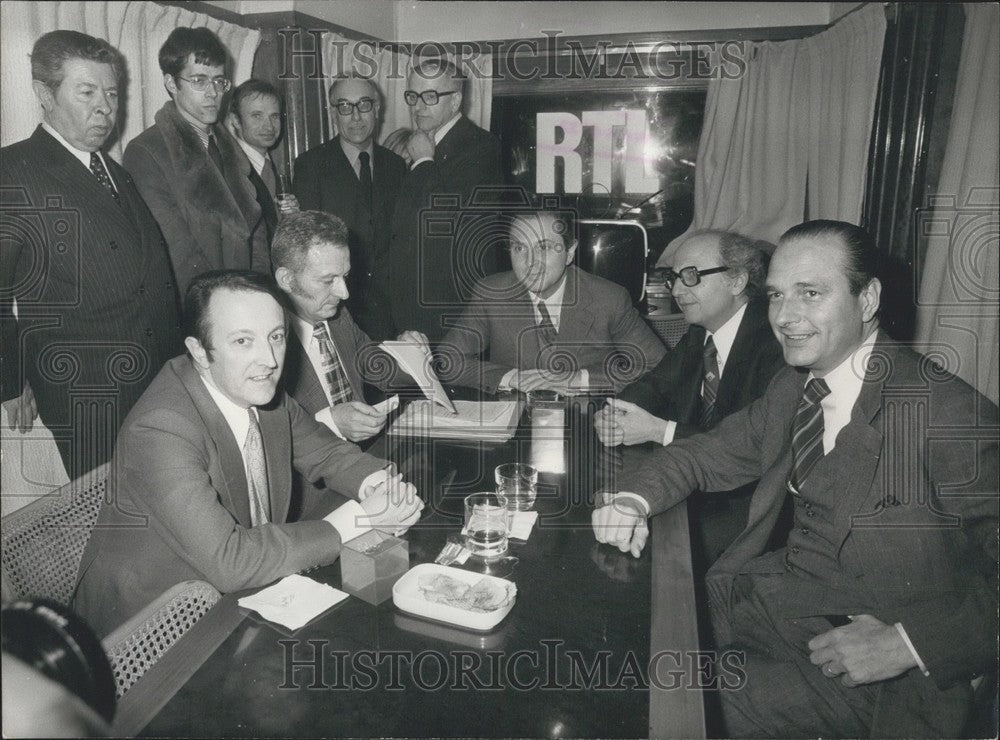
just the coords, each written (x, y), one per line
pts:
(308, 390)
(741, 358)
(277, 452)
(343, 340)
(575, 318)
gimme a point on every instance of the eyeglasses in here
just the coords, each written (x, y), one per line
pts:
(199, 83)
(430, 97)
(541, 248)
(346, 107)
(690, 276)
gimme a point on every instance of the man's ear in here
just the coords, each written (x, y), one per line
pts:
(871, 296)
(46, 98)
(171, 84)
(283, 276)
(197, 352)
(739, 283)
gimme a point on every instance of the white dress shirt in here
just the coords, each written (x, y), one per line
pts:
(438, 135)
(258, 160)
(353, 154)
(81, 155)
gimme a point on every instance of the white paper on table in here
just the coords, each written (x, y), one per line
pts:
(293, 601)
(414, 359)
(522, 522)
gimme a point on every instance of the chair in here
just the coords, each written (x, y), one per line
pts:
(670, 328)
(42, 545)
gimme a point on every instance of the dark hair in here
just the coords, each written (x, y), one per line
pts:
(53, 640)
(183, 42)
(861, 257)
(564, 221)
(250, 89)
(440, 67)
(52, 50)
(200, 291)
(297, 232)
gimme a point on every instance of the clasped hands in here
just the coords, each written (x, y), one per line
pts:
(392, 505)
(624, 423)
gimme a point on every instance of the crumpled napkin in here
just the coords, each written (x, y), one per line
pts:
(293, 601)
(521, 524)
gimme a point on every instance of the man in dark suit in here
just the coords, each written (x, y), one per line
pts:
(191, 172)
(431, 273)
(357, 180)
(548, 324)
(723, 362)
(96, 301)
(883, 604)
(200, 487)
(330, 357)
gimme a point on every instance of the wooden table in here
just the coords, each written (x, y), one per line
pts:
(594, 646)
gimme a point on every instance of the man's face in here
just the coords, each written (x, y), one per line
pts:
(714, 300)
(318, 288)
(247, 334)
(538, 253)
(356, 127)
(429, 118)
(258, 121)
(200, 108)
(813, 314)
(84, 107)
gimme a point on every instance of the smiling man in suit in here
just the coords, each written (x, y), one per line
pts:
(201, 483)
(190, 170)
(722, 363)
(357, 180)
(882, 605)
(96, 301)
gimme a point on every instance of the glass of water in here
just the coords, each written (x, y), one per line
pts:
(486, 525)
(519, 483)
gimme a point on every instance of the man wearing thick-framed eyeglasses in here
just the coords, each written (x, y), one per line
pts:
(451, 156)
(190, 169)
(722, 363)
(358, 181)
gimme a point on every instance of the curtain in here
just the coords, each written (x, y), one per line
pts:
(798, 121)
(389, 70)
(957, 320)
(136, 29)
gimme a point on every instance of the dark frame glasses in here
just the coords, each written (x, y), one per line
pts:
(690, 275)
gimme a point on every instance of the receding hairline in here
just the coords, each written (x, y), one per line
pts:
(364, 80)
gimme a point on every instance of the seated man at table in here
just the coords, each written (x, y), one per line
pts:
(723, 362)
(882, 606)
(548, 324)
(200, 482)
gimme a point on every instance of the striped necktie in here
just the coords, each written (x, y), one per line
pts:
(334, 374)
(710, 383)
(253, 450)
(545, 326)
(807, 433)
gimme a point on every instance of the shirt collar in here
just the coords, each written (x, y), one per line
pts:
(726, 336)
(81, 155)
(235, 416)
(846, 379)
(352, 151)
(303, 329)
(257, 159)
(443, 131)
(555, 300)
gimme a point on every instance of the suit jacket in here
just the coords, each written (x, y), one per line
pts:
(599, 330)
(210, 219)
(916, 515)
(269, 211)
(94, 289)
(431, 274)
(672, 390)
(325, 181)
(179, 508)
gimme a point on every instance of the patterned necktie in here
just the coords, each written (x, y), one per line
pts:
(710, 384)
(807, 433)
(545, 326)
(270, 178)
(333, 370)
(214, 153)
(101, 173)
(253, 451)
(365, 177)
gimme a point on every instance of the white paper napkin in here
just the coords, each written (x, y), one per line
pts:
(293, 601)
(521, 524)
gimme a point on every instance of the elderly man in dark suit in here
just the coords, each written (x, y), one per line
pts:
(96, 301)
(722, 363)
(548, 324)
(357, 180)
(433, 269)
(190, 170)
(201, 483)
(883, 603)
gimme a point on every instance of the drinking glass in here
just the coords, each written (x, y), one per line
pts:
(486, 524)
(519, 483)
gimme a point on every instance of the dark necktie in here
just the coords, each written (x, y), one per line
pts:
(710, 383)
(545, 326)
(101, 173)
(253, 449)
(807, 433)
(365, 177)
(214, 153)
(270, 177)
(333, 370)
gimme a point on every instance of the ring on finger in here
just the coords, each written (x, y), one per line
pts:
(829, 670)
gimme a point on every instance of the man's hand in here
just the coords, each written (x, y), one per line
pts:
(622, 422)
(621, 523)
(392, 505)
(22, 411)
(415, 337)
(420, 146)
(864, 651)
(568, 384)
(357, 421)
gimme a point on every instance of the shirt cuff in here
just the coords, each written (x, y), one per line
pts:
(668, 433)
(505, 380)
(325, 416)
(347, 520)
(913, 651)
(643, 503)
(420, 161)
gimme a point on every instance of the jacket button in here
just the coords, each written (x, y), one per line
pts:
(168, 285)
(149, 332)
(142, 289)
(114, 245)
(810, 513)
(795, 549)
(805, 530)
